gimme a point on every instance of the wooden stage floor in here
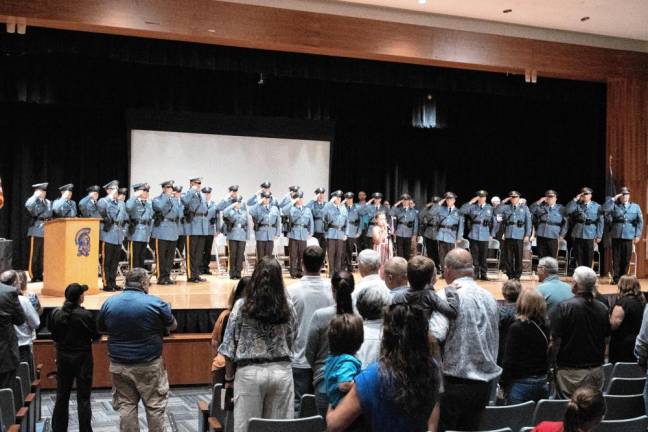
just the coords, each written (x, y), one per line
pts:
(213, 293)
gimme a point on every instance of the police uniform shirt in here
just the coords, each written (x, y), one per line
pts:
(236, 223)
(335, 221)
(195, 205)
(406, 221)
(354, 220)
(114, 213)
(481, 219)
(40, 211)
(516, 220)
(450, 223)
(64, 208)
(586, 219)
(267, 221)
(300, 221)
(88, 207)
(549, 219)
(140, 214)
(317, 209)
(626, 220)
(168, 211)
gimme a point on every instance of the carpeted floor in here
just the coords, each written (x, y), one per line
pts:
(182, 406)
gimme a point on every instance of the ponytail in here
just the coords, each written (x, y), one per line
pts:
(585, 409)
(343, 284)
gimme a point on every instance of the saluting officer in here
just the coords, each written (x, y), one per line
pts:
(287, 199)
(177, 194)
(369, 210)
(516, 219)
(316, 206)
(626, 227)
(40, 210)
(586, 218)
(88, 204)
(167, 211)
(64, 207)
(229, 199)
(111, 235)
(450, 224)
(256, 198)
(354, 230)
(550, 224)
(335, 224)
(196, 228)
(481, 224)
(429, 229)
(267, 225)
(140, 224)
(235, 218)
(213, 217)
(301, 227)
(407, 225)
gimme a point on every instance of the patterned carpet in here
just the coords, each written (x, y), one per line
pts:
(182, 407)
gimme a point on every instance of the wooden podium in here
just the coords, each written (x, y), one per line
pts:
(71, 254)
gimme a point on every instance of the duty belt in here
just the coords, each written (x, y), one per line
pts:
(337, 227)
(317, 217)
(200, 214)
(520, 224)
(171, 220)
(43, 219)
(298, 225)
(353, 222)
(589, 222)
(455, 226)
(407, 224)
(552, 223)
(263, 224)
(486, 223)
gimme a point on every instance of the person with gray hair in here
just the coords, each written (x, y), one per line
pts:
(371, 304)
(395, 274)
(369, 267)
(551, 287)
(580, 327)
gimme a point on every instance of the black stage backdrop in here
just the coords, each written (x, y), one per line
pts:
(66, 100)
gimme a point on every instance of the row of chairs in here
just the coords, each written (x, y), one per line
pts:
(20, 405)
(628, 425)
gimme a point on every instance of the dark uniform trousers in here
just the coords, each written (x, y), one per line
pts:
(296, 250)
(335, 250)
(236, 257)
(209, 241)
(547, 247)
(321, 240)
(513, 257)
(621, 254)
(136, 254)
(404, 247)
(36, 257)
(73, 366)
(432, 250)
(181, 244)
(264, 248)
(351, 245)
(583, 251)
(164, 256)
(194, 248)
(109, 262)
(444, 248)
(479, 252)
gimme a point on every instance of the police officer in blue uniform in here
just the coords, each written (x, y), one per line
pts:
(180, 244)
(287, 199)
(301, 227)
(88, 204)
(122, 194)
(354, 229)
(428, 229)
(626, 226)
(231, 197)
(481, 225)
(40, 211)
(213, 217)
(111, 234)
(550, 224)
(267, 224)
(64, 207)
(517, 220)
(406, 222)
(586, 219)
(167, 210)
(256, 198)
(369, 210)
(450, 224)
(335, 224)
(196, 228)
(140, 224)
(235, 217)
(316, 205)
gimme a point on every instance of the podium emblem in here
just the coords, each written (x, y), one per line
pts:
(82, 241)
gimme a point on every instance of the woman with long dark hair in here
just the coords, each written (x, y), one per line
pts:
(257, 347)
(317, 345)
(400, 392)
(585, 411)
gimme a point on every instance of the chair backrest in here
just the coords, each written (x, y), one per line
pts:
(308, 406)
(549, 410)
(626, 386)
(307, 424)
(464, 244)
(527, 429)
(215, 405)
(630, 425)
(562, 245)
(16, 387)
(607, 374)
(624, 407)
(23, 373)
(312, 242)
(513, 416)
(493, 244)
(628, 370)
(7, 407)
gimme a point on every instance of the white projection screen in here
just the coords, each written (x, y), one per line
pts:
(224, 160)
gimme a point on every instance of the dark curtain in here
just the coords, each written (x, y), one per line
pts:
(65, 99)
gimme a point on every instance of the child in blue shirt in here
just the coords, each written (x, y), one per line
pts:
(345, 337)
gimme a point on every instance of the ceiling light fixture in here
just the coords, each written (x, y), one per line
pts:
(585, 18)
(211, 30)
(421, 2)
(507, 11)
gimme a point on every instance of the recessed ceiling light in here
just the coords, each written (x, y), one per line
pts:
(507, 11)
(211, 30)
(586, 18)
(422, 1)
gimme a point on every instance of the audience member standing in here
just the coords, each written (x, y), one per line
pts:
(579, 328)
(369, 268)
(400, 392)
(371, 305)
(470, 351)
(625, 320)
(73, 330)
(136, 323)
(317, 346)
(551, 287)
(395, 274)
(310, 293)
(525, 360)
(11, 314)
(257, 347)
(507, 310)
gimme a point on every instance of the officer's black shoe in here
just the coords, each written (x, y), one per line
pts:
(36, 279)
(206, 272)
(118, 288)
(200, 279)
(164, 282)
(108, 289)
(484, 278)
